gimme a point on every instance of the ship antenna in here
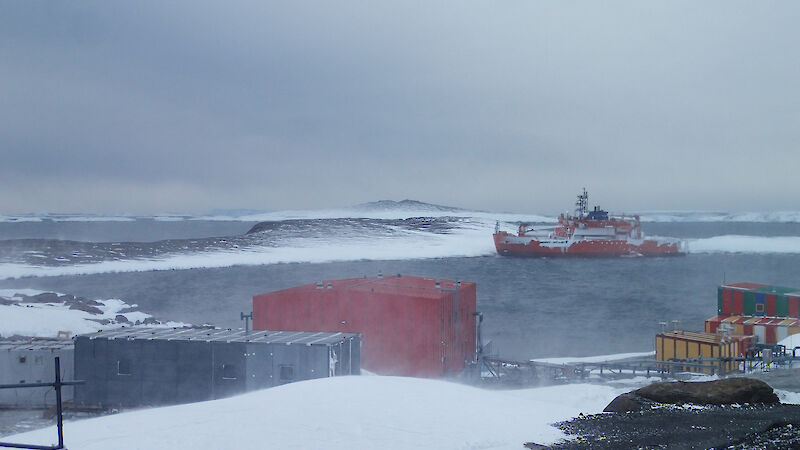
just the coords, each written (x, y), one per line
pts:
(582, 204)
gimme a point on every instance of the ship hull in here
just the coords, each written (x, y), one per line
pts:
(510, 245)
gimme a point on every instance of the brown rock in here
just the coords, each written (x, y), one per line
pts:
(627, 402)
(719, 392)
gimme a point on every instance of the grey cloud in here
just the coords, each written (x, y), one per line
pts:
(510, 105)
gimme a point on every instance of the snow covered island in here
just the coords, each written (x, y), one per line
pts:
(33, 313)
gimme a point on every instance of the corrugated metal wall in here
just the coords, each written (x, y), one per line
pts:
(766, 312)
(410, 326)
(689, 345)
(753, 299)
(768, 330)
(136, 372)
(19, 366)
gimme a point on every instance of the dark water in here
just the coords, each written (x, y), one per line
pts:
(532, 307)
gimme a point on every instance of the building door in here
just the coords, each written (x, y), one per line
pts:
(229, 369)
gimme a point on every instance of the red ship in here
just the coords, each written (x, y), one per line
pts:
(587, 233)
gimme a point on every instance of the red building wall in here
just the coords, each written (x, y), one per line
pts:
(737, 303)
(770, 308)
(794, 305)
(409, 325)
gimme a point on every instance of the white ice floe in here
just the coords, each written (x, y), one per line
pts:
(711, 216)
(744, 244)
(470, 240)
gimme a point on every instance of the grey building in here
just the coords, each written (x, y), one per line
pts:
(32, 360)
(157, 366)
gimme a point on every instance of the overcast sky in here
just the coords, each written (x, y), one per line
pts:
(153, 106)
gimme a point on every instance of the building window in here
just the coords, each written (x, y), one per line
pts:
(759, 307)
(287, 373)
(124, 367)
(228, 372)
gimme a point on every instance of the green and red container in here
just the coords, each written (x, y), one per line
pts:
(758, 300)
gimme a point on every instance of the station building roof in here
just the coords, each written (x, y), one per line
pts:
(222, 335)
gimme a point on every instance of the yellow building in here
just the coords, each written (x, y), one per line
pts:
(685, 345)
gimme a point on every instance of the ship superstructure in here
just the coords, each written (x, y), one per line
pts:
(586, 233)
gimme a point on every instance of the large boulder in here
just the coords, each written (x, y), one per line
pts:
(729, 391)
(737, 390)
(629, 402)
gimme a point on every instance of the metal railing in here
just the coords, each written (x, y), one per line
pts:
(57, 384)
(530, 371)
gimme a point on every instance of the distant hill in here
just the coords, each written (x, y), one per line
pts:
(383, 205)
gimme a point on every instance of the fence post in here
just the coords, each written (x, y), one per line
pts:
(59, 410)
(57, 384)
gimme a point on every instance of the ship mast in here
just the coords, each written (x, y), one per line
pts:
(582, 204)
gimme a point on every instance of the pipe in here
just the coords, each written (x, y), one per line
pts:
(478, 344)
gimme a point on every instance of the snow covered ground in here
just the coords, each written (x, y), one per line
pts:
(357, 412)
(24, 317)
(594, 359)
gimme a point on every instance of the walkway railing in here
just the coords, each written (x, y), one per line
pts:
(57, 384)
(527, 372)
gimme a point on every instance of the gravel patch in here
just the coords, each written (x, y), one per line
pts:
(748, 426)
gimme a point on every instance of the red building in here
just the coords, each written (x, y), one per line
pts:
(410, 326)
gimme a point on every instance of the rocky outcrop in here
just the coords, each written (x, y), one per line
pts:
(44, 297)
(86, 308)
(729, 391)
(121, 319)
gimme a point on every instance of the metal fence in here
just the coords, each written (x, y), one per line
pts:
(57, 384)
